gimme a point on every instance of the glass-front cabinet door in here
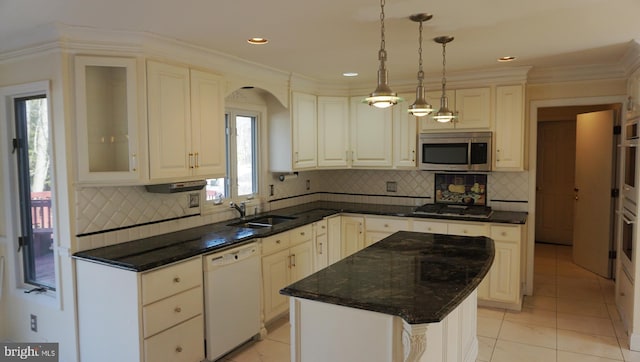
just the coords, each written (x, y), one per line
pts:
(107, 120)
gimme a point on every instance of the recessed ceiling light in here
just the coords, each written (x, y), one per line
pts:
(257, 41)
(506, 59)
(350, 74)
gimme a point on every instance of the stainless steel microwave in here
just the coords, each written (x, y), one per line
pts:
(460, 151)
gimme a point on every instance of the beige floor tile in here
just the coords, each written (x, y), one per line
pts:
(263, 351)
(630, 356)
(583, 308)
(489, 327)
(571, 270)
(544, 278)
(588, 325)
(541, 302)
(533, 316)
(564, 356)
(613, 312)
(545, 289)
(506, 351)
(281, 333)
(601, 346)
(621, 333)
(545, 269)
(485, 348)
(525, 333)
(581, 293)
(494, 313)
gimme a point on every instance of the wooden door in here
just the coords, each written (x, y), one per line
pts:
(593, 183)
(555, 182)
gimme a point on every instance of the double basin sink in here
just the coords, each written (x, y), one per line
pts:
(260, 222)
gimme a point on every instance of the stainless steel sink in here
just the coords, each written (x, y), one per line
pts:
(264, 221)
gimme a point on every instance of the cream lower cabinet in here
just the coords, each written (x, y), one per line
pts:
(153, 316)
(351, 234)
(320, 245)
(378, 228)
(286, 258)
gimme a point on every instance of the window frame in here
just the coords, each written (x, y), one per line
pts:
(8, 95)
(231, 188)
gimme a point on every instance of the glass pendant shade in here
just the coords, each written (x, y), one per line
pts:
(383, 96)
(420, 107)
(444, 114)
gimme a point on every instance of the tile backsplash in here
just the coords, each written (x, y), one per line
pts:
(126, 212)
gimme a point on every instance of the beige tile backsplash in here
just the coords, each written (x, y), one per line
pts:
(120, 208)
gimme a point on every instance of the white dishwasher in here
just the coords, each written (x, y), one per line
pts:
(232, 298)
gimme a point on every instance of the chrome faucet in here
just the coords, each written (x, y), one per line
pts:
(242, 209)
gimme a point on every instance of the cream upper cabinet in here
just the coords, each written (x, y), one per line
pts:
(474, 108)
(433, 97)
(333, 132)
(371, 135)
(110, 134)
(405, 136)
(509, 137)
(304, 130)
(186, 123)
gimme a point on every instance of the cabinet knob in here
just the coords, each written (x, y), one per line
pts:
(278, 241)
(177, 310)
(302, 233)
(176, 280)
(504, 233)
(324, 227)
(386, 225)
(179, 349)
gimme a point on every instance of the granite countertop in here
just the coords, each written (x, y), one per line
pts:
(417, 276)
(152, 252)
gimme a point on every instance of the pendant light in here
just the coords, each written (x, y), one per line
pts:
(383, 96)
(420, 107)
(444, 114)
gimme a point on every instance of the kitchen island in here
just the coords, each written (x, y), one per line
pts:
(408, 297)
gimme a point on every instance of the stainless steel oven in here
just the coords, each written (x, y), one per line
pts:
(630, 150)
(468, 151)
(628, 236)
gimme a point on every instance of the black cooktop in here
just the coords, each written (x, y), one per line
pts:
(454, 210)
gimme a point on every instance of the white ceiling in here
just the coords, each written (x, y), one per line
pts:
(323, 39)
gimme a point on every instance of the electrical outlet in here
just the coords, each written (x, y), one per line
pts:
(392, 186)
(194, 200)
(34, 323)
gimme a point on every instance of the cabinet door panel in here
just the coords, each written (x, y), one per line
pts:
(474, 108)
(321, 253)
(509, 135)
(304, 117)
(352, 235)
(182, 343)
(275, 274)
(433, 97)
(301, 261)
(333, 131)
(169, 120)
(504, 282)
(404, 135)
(371, 135)
(208, 126)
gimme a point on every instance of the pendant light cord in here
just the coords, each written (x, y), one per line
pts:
(382, 54)
(420, 71)
(444, 63)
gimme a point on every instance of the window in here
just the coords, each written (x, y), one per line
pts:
(242, 159)
(32, 149)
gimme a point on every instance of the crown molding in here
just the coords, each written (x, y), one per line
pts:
(576, 73)
(631, 59)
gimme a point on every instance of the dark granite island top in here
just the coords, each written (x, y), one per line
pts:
(419, 277)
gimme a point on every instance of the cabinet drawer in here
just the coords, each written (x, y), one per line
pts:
(170, 311)
(468, 229)
(301, 234)
(511, 233)
(386, 224)
(275, 243)
(182, 343)
(321, 227)
(429, 227)
(171, 280)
